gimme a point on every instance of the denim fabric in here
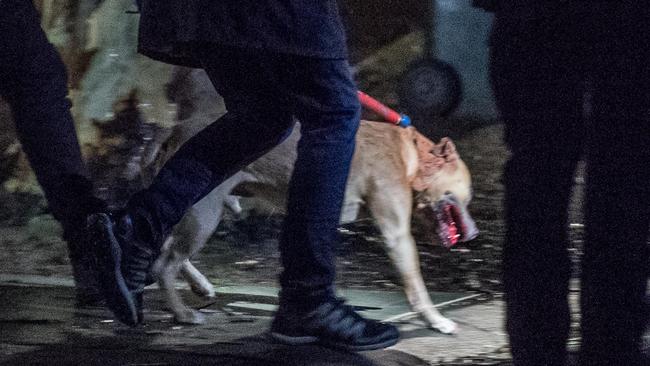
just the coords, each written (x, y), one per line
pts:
(541, 68)
(33, 80)
(264, 94)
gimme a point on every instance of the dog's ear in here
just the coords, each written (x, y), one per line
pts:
(447, 150)
(428, 162)
(432, 158)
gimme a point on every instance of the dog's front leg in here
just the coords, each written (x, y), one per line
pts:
(393, 216)
(402, 251)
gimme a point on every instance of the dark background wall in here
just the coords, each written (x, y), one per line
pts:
(372, 24)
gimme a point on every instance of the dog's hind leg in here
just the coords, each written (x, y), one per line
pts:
(393, 216)
(199, 284)
(189, 236)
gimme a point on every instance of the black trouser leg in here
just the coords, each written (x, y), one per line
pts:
(616, 259)
(538, 91)
(34, 82)
(607, 45)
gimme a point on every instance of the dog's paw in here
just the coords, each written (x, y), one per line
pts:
(204, 289)
(445, 326)
(189, 316)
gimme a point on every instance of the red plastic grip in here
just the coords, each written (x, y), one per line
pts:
(376, 106)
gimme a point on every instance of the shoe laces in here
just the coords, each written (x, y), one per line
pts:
(340, 318)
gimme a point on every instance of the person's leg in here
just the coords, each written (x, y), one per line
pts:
(539, 95)
(617, 253)
(258, 119)
(323, 97)
(35, 85)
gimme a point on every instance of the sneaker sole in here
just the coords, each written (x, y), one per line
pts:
(307, 340)
(294, 341)
(116, 293)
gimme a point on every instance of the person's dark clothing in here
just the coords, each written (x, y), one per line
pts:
(170, 29)
(33, 80)
(541, 65)
(264, 92)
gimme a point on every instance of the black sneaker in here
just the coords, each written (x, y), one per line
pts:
(332, 324)
(137, 259)
(124, 277)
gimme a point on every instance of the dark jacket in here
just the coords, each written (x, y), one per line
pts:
(171, 30)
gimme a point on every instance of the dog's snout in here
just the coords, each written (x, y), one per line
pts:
(470, 235)
(470, 231)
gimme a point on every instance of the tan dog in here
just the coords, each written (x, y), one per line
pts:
(389, 165)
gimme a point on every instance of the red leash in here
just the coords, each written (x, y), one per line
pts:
(376, 106)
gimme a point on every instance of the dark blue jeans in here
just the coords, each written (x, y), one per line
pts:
(541, 66)
(264, 94)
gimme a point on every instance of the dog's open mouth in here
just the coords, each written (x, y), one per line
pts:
(454, 224)
(450, 228)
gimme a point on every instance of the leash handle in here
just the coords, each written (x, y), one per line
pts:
(385, 112)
